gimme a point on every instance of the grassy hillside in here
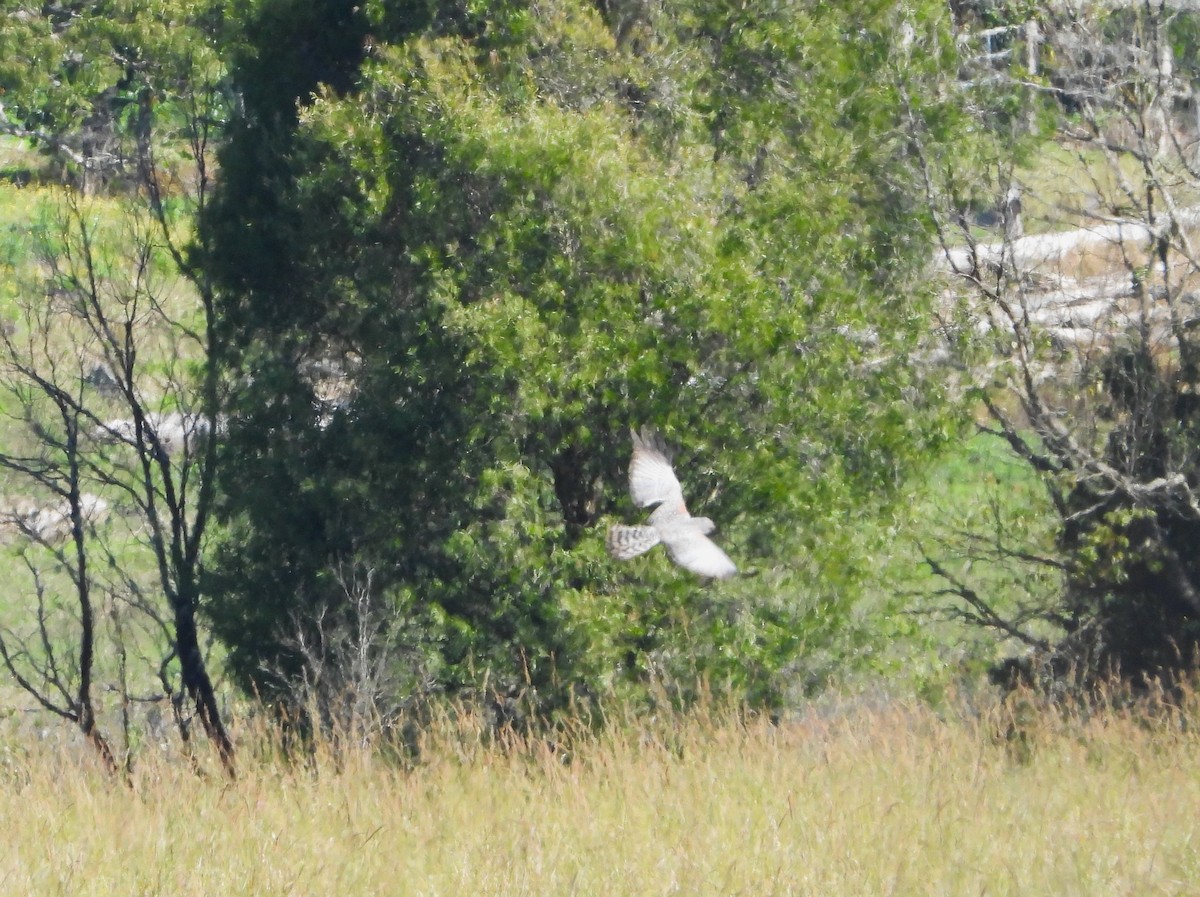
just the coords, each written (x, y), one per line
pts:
(842, 802)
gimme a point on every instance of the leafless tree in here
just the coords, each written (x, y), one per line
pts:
(359, 673)
(1077, 330)
(116, 406)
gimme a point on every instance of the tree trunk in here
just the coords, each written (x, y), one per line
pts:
(196, 681)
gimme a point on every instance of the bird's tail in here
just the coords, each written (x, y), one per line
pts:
(625, 542)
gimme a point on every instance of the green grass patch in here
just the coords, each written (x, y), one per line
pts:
(976, 507)
(1076, 185)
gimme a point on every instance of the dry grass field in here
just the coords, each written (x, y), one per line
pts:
(859, 802)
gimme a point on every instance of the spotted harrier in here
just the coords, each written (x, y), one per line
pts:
(652, 483)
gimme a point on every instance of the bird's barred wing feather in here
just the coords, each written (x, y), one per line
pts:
(625, 542)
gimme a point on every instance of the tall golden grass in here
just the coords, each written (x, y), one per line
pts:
(842, 802)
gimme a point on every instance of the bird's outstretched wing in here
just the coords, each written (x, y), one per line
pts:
(694, 551)
(652, 480)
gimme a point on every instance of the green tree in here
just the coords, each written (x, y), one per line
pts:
(82, 80)
(452, 276)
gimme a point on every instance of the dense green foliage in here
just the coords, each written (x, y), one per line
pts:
(459, 254)
(91, 84)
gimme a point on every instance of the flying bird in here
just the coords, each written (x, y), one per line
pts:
(652, 483)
